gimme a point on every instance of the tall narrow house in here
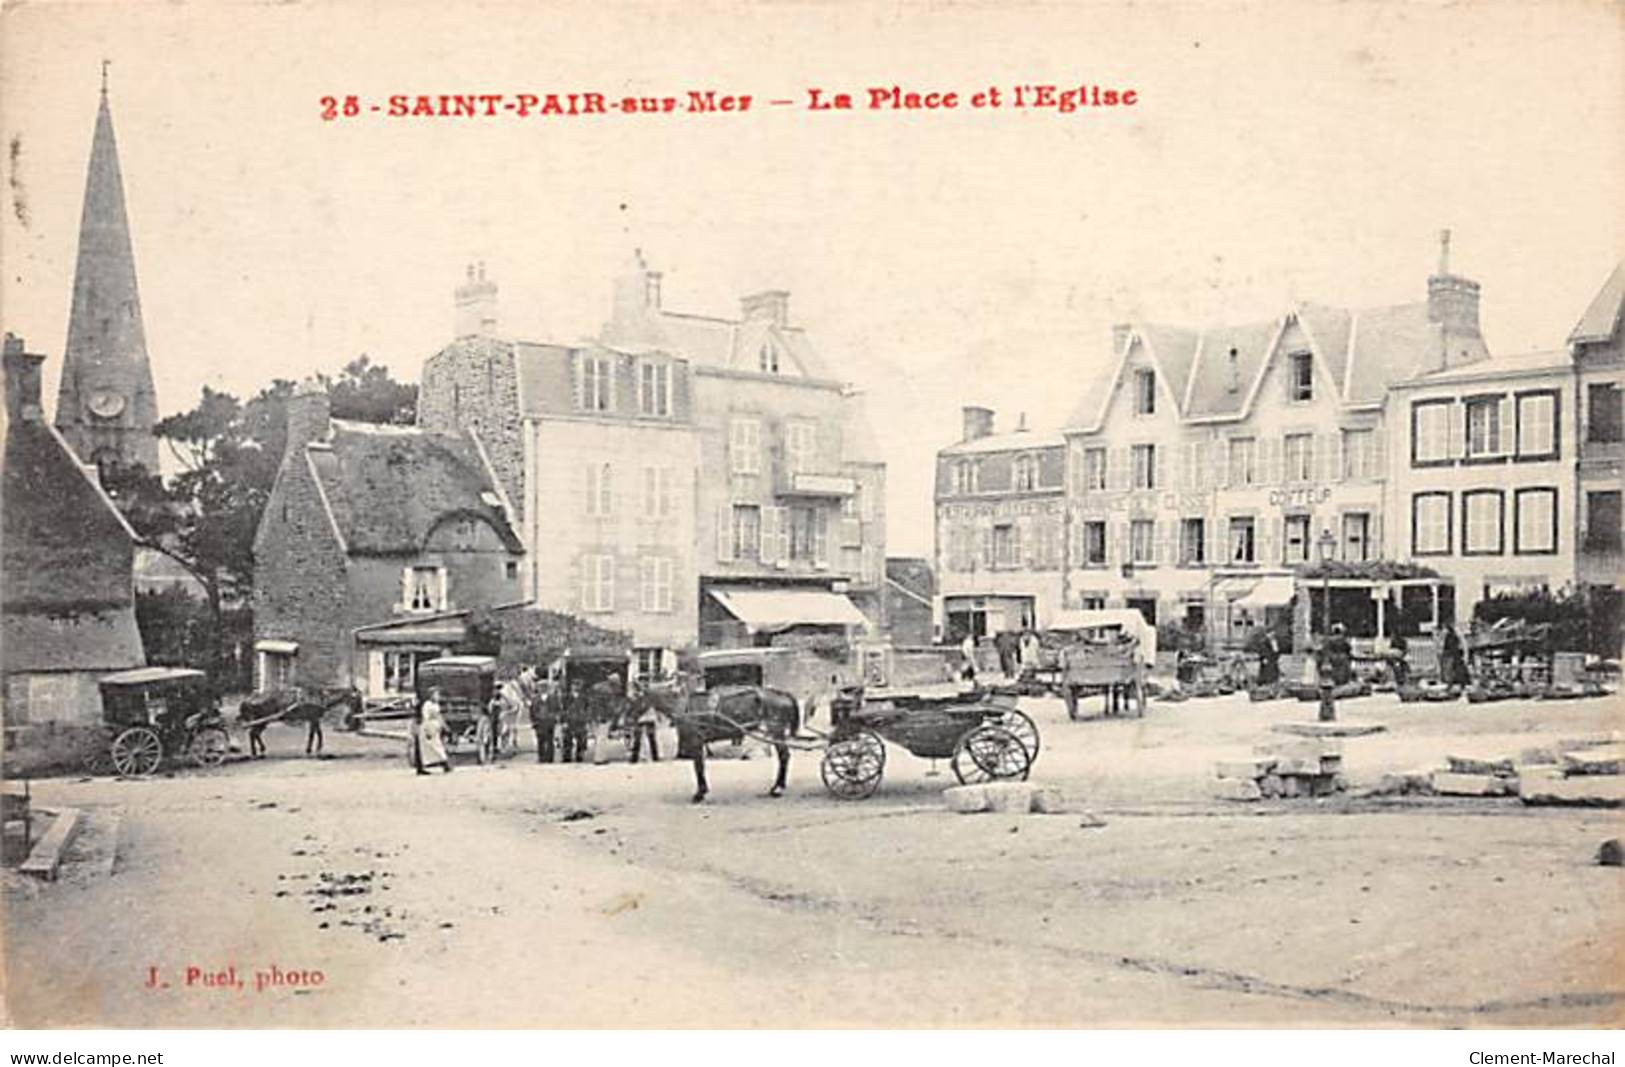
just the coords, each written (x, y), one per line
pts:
(106, 406)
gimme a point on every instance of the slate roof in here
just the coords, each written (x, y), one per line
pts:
(106, 640)
(1602, 317)
(1548, 361)
(389, 486)
(1014, 441)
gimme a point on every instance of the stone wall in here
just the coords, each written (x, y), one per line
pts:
(472, 384)
(299, 577)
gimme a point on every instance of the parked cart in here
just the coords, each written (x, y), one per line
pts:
(158, 713)
(473, 717)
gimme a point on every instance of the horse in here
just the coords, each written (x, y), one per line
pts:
(727, 714)
(293, 706)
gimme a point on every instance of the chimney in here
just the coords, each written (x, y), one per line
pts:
(637, 289)
(1120, 336)
(309, 414)
(978, 423)
(1235, 370)
(1452, 300)
(772, 305)
(476, 303)
(22, 381)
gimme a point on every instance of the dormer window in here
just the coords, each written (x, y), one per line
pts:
(654, 389)
(769, 358)
(1145, 392)
(1300, 385)
(1026, 473)
(595, 377)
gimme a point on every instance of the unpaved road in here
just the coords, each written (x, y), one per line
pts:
(471, 900)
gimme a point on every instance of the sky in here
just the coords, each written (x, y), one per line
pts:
(1276, 152)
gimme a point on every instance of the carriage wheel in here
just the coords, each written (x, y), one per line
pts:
(484, 741)
(1018, 723)
(988, 753)
(208, 746)
(137, 752)
(852, 766)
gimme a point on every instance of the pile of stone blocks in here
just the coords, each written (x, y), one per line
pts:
(1581, 771)
(1006, 797)
(1284, 769)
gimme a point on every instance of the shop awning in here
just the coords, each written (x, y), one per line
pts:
(1271, 591)
(284, 648)
(778, 609)
(443, 632)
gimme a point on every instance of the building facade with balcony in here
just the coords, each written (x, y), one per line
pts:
(677, 470)
(1599, 367)
(1208, 468)
(1000, 516)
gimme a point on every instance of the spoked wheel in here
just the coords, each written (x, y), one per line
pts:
(209, 745)
(484, 740)
(852, 766)
(137, 752)
(1018, 723)
(988, 753)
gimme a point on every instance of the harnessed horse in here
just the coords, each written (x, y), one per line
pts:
(727, 713)
(293, 706)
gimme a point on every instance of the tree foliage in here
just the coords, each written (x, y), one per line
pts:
(1579, 621)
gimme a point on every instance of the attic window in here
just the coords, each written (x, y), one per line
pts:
(768, 359)
(1235, 370)
(1300, 378)
(1145, 392)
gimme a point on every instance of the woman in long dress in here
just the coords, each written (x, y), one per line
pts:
(432, 736)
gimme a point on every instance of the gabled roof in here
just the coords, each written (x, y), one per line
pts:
(388, 487)
(1523, 364)
(859, 444)
(1602, 317)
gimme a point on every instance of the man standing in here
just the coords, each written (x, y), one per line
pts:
(1340, 656)
(967, 655)
(575, 724)
(544, 717)
(1005, 643)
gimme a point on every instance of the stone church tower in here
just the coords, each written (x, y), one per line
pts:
(106, 406)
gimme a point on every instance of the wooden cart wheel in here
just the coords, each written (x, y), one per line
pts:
(209, 745)
(137, 752)
(1020, 724)
(988, 753)
(484, 741)
(852, 766)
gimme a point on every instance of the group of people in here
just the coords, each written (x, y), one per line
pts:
(578, 711)
(1335, 658)
(1018, 651)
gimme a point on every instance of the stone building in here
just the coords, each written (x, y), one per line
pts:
(106, 406)
(1599, 367)
(66, 590)
(666, 471)
(374, 543)
(1000, 528)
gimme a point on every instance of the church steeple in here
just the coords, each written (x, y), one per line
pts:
(106, 406)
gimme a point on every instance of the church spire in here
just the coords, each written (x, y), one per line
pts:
(106, 406)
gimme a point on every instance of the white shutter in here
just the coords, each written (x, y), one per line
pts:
(1507, 423)
(1377, 456)
(1219, 465)
(588, 566)
(406, 587)
(590, 473)
(1457, 424)
(1117, 474)
(580, 381)
(725, 533)
(820, 531)
(606, 583)
(1373, 537)
(768, 535)
(1328, 450)
(782, 550)
(1160, 463)
(1268, 460)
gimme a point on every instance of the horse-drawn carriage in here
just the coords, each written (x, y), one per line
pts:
(982, 735)
(1109, 651)
(468, 705)
(156, 712)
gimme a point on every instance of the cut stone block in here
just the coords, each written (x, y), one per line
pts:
(1301, 748)
(1237, 789)
(1328, 729)
(1450, 784)
(1010, 797)
(1247, 768)
(1605, 759)
(1402, 783)
(46, 857)
(1477, 765)
(1047, 800)
(966, 799)
(1537, 756)
(1322, 785)
(1270, 786)
(1292, 786)
(1294, 766)
(1331, 764)
(1599, 790)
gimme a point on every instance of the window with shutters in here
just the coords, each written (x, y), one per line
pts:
(1143, 460)
(1295, 544)
(1300, 378)
(745, 445)
(600, 490)
(654, 389)
(1298, 456)
(1357, 536)
(767, 358)
(1243, 461)
(1193, 541)
(1430, 524)
(657, 496)
(1482, 522)
(1026, 473)
(747, 532)
(1142, 541)
(1484, 429)
(425, 589)
(808, 534)
(1243, 539)
(1047, 544)
(1535, 521)
(1094, 470)
(655, 587)
(1359, 455)
(1093, 553)
(595, 387)
(800, 446)
(1430, 432)
(1537, 425)
(1604, 413)
(1145, 392)
(1092, 602)
(598, 583)
(1006, 545)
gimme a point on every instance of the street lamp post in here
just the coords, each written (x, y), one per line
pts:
(1328, 705)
